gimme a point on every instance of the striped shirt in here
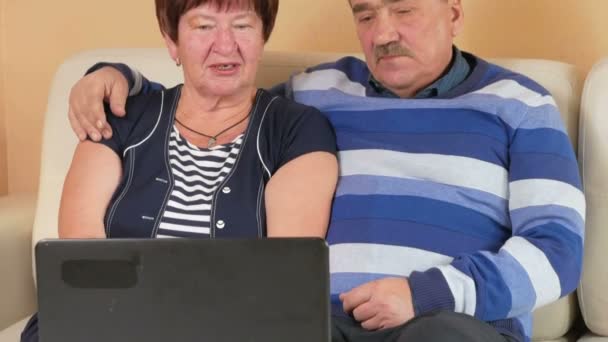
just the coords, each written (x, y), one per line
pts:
(197, 173)
(474, 196)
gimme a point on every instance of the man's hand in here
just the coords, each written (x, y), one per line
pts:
(86, 114)
(380, 304)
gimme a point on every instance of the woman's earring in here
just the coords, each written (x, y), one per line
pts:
(177, 62)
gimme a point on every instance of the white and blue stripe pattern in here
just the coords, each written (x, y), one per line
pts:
(197, 174)
(481, 189)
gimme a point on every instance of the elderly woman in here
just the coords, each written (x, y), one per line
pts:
(214, 157)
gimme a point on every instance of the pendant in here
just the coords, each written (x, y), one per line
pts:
(211, 142)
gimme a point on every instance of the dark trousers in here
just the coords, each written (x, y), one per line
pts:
(442, 326)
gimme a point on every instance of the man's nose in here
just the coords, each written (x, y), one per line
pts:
(225, 42)
(385, 31)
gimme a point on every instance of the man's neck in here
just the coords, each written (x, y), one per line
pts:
(454, 73)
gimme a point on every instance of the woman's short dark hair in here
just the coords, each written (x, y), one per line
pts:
(169, 12)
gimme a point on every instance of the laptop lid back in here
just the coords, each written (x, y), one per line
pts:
(183, 290)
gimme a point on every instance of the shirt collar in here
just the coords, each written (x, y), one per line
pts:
(456, 73)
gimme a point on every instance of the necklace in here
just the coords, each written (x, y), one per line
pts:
(212, 138)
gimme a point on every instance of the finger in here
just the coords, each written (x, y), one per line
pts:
(106, 131)
(96, 115)
(76, 127)
(104, 128)
(364, 312)
(373, 323)
(356, 297)
(118, 97)
(88, 127)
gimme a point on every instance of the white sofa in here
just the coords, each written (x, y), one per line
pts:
(593, 159)
(555, 322)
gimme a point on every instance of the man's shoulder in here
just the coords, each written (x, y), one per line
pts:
(509, 94)
(347, 64)
(351, 68)
(506, 81)
(349, 75)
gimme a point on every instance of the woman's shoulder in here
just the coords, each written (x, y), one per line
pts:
(154, 99)
(291, 129)
(286, 110)
(146, 107)
(143, 112)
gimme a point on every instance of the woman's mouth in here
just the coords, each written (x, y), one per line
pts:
(225, 68)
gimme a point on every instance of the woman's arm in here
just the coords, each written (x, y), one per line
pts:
(92, 179)
(299, 196)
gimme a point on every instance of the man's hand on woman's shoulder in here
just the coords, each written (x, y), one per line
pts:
(86, 112)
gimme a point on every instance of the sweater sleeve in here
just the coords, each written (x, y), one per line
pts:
(138, 83)
(542, 259)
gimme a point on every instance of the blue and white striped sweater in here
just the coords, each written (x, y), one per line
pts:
(476, 197)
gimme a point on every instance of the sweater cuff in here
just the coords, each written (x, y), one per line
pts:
(430, 292)
(133, 77)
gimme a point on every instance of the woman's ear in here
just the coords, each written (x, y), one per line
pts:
(172, 47)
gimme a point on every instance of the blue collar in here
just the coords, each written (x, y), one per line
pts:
(456, 73)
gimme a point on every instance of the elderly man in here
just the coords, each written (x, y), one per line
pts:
(459, 209)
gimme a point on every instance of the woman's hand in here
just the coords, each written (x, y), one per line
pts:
(86, 113)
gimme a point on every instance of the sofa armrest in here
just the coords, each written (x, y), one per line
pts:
(17, 293)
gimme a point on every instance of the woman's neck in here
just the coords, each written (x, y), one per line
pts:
(195, 106)
(208, 120)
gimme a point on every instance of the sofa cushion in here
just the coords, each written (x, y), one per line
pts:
(593, 338)
(17, 288)
(13, 333)
(594, 167)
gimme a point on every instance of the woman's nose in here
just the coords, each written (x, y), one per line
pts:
(225, 42)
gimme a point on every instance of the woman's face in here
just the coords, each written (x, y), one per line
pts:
(219, 49)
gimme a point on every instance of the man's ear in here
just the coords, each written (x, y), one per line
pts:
(172, 47)
(457, 18)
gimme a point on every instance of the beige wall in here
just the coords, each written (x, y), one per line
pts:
(572, 31)
(3, 163)
(38, 35)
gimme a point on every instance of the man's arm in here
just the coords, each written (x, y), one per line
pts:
(538, 264)
(542, 260)
(110, 82)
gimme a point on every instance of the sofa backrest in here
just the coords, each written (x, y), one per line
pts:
(58, 141)
(594, 167)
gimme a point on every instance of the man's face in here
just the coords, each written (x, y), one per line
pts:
(407, 43)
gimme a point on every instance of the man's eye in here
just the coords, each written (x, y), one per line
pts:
(365, 18)
(242, 26)
(204, 27)
(404, 11)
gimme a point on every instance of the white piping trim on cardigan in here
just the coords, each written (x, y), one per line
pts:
(258, 137)
(162, 104)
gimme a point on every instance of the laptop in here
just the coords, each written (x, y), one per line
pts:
(161, 290)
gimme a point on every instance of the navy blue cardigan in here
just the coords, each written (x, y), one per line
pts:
(278, 131)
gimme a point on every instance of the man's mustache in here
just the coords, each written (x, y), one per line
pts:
(392, 49)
